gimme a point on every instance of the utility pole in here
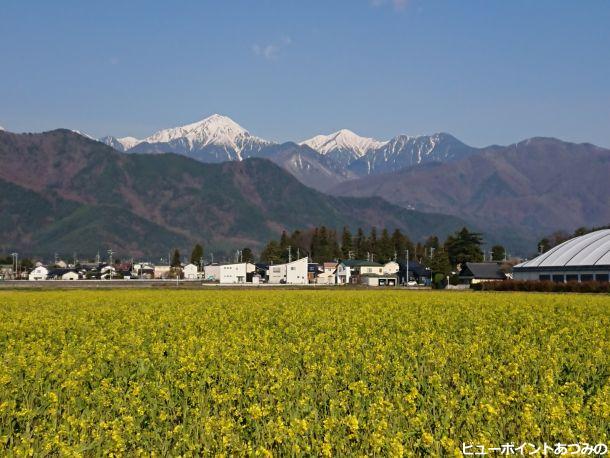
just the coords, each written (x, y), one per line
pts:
(289, 253)
(407, 267)
(15, 262)
(110, 253)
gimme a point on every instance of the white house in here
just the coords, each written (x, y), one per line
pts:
(296, 272)
(236, 273)
(107, 273)
(211, 272)
(38, 273)
(70, 275)
(293, 273)
(190, 272)
(350, 270)
(162, 271)
(276, 273)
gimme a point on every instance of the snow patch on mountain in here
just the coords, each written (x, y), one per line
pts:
(344, 140)
(214, 130)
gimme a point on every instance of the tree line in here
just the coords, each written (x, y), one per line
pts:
(325, 244)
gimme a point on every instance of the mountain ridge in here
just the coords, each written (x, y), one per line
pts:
(167, 200)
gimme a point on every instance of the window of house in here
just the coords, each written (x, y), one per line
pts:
(558, 278)
(586, 277)
(602, 277)
(544, 277)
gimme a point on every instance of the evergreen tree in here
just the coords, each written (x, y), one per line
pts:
(498, 253)
(360, 244)
(464, 246)
(175, 258)
(544, 245)
(247, 255)
(372, 243)
(197, 255)
(385, 247)
(314, 247)
(439, 263)
(284, 244)
(271, 254)
(432, 242)
(401, 244)
(346, 243)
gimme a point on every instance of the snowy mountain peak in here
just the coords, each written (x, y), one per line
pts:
(128, 142)
(343, 139)
(120, 144)
(215, 129)
(2, 128)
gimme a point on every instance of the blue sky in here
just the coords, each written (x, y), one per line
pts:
(485, 71)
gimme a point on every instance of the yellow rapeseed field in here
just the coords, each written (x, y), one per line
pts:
(323, 373)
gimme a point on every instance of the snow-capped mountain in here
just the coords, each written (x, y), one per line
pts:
(405, 151)
(83, 134)
(120, 144)
(321, 162)
(343, 147)
(2, 128)
(216, 138)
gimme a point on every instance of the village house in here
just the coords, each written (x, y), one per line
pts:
(237, 273)
(293, 273)
(211, 272)
(190, 272)
(161, 272)
(6, 272)
(39, 273)
(350, 270)
(415, 271)
(63, 274)
(143, 270)
(479, 272)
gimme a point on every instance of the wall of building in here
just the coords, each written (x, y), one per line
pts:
(563, 275)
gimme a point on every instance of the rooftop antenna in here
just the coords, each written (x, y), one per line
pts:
(298, 253)
(289, 253)
(97, 257)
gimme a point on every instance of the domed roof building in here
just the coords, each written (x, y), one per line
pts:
(584, 258)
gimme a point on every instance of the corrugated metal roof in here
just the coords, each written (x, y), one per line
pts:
(591, 249)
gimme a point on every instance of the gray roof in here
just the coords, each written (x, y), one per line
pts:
(483, 271)
(591, 249)
(360, 263)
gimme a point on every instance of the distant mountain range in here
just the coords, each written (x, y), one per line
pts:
(522, 190)
(515, 194)
(61, 191)
(321, 162)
